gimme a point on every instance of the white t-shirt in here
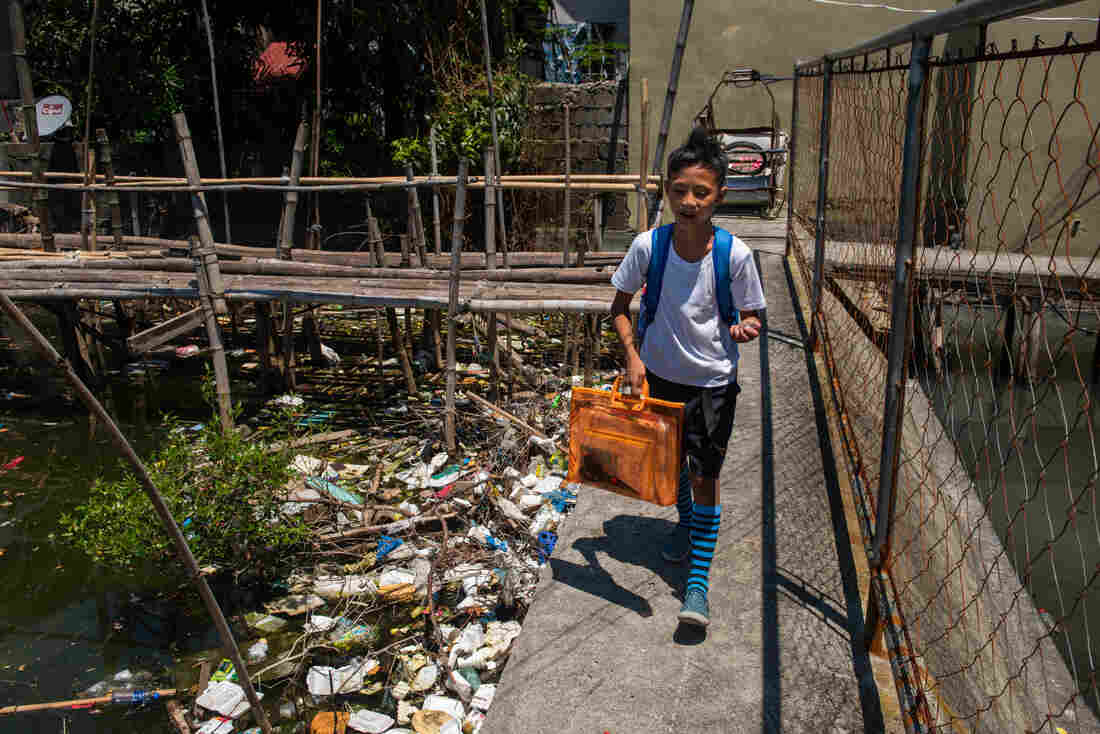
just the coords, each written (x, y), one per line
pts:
(687, 342)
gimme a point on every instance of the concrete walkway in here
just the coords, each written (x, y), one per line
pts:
(601, 649)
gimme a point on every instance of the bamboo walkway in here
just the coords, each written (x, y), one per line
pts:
(534, 282)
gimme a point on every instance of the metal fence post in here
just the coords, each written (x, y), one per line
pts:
(822, 195)
(899, 306)
(792, 145)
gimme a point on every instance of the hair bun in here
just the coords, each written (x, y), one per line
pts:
(700, 139)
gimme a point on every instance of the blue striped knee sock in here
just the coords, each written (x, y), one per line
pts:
(704, 536)
(683, 499)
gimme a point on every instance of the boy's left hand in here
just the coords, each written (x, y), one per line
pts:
(745, 331)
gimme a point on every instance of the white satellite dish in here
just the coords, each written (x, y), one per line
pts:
(53, 112)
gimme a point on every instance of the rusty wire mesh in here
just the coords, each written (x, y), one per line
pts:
(993, 576)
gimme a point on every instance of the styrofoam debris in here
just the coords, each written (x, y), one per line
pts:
(217, 725)
(549, 484)
(473, 722)
(483, 697)
(332, 588)
(258, 650)
(320, 623)
(405, 710)
(511, 511)
(458, 683)
(311, 466)
(425, 678)
(370, 722)
(449, 706)
(393, 576)
(226, 698)
(529, 501)
(324, 680)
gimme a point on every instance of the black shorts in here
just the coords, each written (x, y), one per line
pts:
(708, 421)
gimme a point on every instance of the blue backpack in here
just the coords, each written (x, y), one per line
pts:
(658, 258)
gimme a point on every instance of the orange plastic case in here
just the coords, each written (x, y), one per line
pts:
(630, 446)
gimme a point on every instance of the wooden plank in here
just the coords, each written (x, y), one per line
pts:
(166, 331)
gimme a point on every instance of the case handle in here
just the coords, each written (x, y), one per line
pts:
(617, 396)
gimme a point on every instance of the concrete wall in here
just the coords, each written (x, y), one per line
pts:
(985, 660)
(771, 35)
(592, 114)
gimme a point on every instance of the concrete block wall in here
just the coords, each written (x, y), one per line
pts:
(591, 117)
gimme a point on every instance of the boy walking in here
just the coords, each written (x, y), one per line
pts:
(701, 300)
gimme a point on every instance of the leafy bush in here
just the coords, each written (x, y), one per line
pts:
(223, 490)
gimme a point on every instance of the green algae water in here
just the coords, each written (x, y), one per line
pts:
(1033, 456)
(64, 623)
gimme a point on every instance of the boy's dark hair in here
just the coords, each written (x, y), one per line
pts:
(699, 150)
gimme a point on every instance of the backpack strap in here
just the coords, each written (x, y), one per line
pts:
(723, 244)
(658, 258)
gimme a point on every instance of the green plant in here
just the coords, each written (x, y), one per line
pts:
(224, 491)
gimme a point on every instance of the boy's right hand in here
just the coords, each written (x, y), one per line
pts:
(635, 375)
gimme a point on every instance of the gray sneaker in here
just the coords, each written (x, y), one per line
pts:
(677, 545)
(695, 610)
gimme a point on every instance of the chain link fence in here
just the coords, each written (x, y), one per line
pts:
(944, 214)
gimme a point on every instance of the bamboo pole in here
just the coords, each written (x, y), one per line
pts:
(597, 224)
(288, 347)
(643, 218)
(112, 198)
(92, 242)
(566, 337)
(406, 258)
(217, 116)
(566, 213)
(211, 286)
(430, 180)
(173, 530)
(89, 165)
(492, 101)
(314, 236)
(417, 220)
(452, 305)
(380, 341)
(202, 221)
(290, 206)
(313, 186)
(655, 202)
(435, 197)
(83, 703)
(374, 238)
(265, 342)
(402, 353)
(30, 120)
(490, 214)
(494, 365)
(589, 328)
(135, 214)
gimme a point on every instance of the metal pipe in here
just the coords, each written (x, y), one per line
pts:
(670, 99)
(182, 549)
(791, 143)
(899, 307)
(968, 13)
(616, 121)
(822, 195)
